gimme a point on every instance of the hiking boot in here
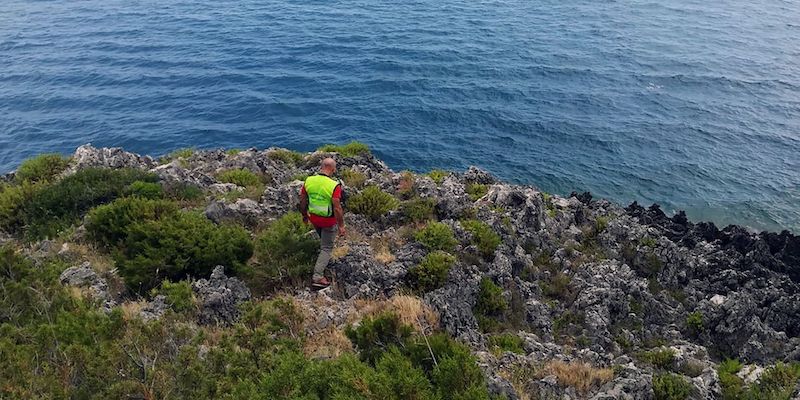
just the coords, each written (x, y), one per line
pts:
(321, 283)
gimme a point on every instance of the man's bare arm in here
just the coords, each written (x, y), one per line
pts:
(339, 214)
(303, 206)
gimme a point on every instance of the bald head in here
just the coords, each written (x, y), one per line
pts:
(328, 166)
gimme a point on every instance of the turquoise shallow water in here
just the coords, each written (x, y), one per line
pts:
(689, 103)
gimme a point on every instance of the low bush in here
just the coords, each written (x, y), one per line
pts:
(671, 387)
(406, 185)
(662, 358)
(418, 210)
(184, 192)
(147, 190)
(42, 168)
(490, 306)
(483, 236)
(286, 250)
(180, 296)
(375, 335)
(108, 224)
(353, 178)
(372, 202)
(694, 322)
(776, 383)
(351, 149)
(436, 236)
(507, 342)
(438, 175)
(558, 286)
(56, 207)
(178, 246)
(13, 199)
(476, 190)
(240, 177)
(431, 273)
(286, 156)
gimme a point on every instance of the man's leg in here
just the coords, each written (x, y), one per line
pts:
(326, 236)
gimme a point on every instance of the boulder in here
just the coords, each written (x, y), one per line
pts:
(219, 297)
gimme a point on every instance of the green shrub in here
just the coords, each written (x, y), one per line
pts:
(232, 152)
(13, 199)
(454, 371)
(375, 335)
(438, 175)
(286, 156)
(353, 178)
(42, 168)
(286, 250)
(181, 153)
(776, 383)
(184, 192)
(648, 241)
(240, 177)
(436, 236)
(490, 305)
(179, 295)
(56, 207)
(507, 342)
(483, 236)
(179, 246)
(558, 286)
(732, 385)
(372, 203)
(431, 273)
(663, 358)
(695, 322)
(109, 224)
(671, 387)
(476, 191)
(147, 190)
(351, 149)
(418, 210)
(300, 177)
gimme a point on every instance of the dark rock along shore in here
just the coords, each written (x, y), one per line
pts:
(634, 275)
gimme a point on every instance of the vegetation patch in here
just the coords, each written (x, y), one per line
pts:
(42, 168)
(694, 322)
(431, 273)
(507, 342)
(109, 224)
(579, 375)
(51, 209)
(438, 175)
(776, 383)
(286, 249)
(476, 190)
(240, 177)
(671, 386)
(178, 246)
(286, 156)
(418, 210)
(145, 190)
(351, 149)
(436, 236)
(661, 358)
(353, 178)
(490, 306)
(372, 202)
(483, 236)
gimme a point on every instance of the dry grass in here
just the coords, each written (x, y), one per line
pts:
(88, 252)
(411, 311)
(519, 375)
(327, 343)
(131, 309)
(340, 251)
(579, 375)
(381, 251)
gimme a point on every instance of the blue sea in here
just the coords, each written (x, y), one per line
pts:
(693, 104)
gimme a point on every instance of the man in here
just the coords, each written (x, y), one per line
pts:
(320, 203)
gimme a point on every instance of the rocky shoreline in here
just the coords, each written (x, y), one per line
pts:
(623, 296)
